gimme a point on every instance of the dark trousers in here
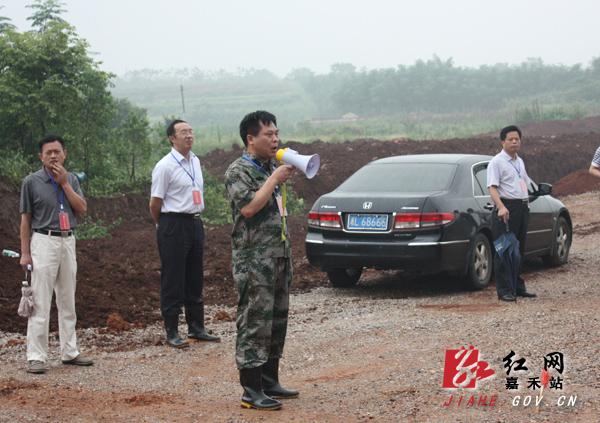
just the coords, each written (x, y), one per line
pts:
(180, 245)
(517, 224)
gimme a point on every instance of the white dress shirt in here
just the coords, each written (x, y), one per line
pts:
(508, 175)
(172, 182)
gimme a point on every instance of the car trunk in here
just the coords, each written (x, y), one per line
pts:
(377, 216)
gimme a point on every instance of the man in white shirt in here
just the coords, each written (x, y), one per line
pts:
(177, 199)
(595, 165)
(507, 182)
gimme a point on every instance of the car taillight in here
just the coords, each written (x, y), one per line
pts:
(422, 220)
(436, 219)
(324, 220)
(407, 220)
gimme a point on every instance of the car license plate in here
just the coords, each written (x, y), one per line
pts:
(367, 222)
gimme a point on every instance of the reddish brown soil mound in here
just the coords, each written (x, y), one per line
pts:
(116, 323)
(576, 182)
(120, 273)
(547, 158)
(562, 127)
(549, 128)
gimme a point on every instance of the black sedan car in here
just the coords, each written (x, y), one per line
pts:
(424, 213)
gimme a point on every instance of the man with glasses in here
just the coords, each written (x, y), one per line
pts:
(175, 205)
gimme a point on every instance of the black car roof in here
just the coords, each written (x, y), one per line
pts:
(435, 158)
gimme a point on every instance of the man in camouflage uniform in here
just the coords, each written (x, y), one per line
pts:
(262, 261)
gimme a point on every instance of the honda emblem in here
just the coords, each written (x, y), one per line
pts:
(367, 205)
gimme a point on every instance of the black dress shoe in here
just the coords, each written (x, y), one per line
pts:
(526, 294)
(200, 334)
(507, 297)
(80, 360)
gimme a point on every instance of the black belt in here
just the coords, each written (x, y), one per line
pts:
(195, 216)
(515, 200)
(54, 233)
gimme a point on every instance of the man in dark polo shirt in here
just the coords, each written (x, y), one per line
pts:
(176, 200)
(507, 181)
(51, 199)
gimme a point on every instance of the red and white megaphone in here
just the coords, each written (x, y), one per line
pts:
(309, 165)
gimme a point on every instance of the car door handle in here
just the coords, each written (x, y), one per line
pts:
(488, 206)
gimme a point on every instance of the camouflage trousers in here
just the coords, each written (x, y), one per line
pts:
(263, 285)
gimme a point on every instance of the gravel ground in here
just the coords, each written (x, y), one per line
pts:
(372, 353)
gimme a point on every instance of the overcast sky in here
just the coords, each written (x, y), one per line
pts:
(283, 35)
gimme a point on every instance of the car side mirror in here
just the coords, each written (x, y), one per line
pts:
(544, 189)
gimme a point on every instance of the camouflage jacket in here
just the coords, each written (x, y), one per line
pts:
(260, 235)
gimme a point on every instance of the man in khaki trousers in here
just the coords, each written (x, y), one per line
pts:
(51, 198)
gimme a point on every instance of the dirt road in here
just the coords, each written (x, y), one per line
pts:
(373, 353)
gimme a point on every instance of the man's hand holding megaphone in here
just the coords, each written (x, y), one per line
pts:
(282, 173)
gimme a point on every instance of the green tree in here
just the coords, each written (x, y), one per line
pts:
(88, 124)
(132, 131)
(5, 23)
(44, 12)
(48, 83)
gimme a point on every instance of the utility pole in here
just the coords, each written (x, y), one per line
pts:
(182, 101)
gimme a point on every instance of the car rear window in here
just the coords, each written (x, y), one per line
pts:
(400, 177)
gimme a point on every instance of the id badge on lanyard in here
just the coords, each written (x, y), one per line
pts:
(63, 219)
(282, 210)
(196, 196)
(63, 216)
(523, 185)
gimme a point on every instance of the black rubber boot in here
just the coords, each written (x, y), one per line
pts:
(270, 380)
(194, 316)
(254, 397)
(173, 338)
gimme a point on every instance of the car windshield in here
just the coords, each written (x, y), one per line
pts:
(400, 177)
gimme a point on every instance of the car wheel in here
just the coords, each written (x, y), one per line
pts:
(344, 278)
(480, 263)
(560, 245)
